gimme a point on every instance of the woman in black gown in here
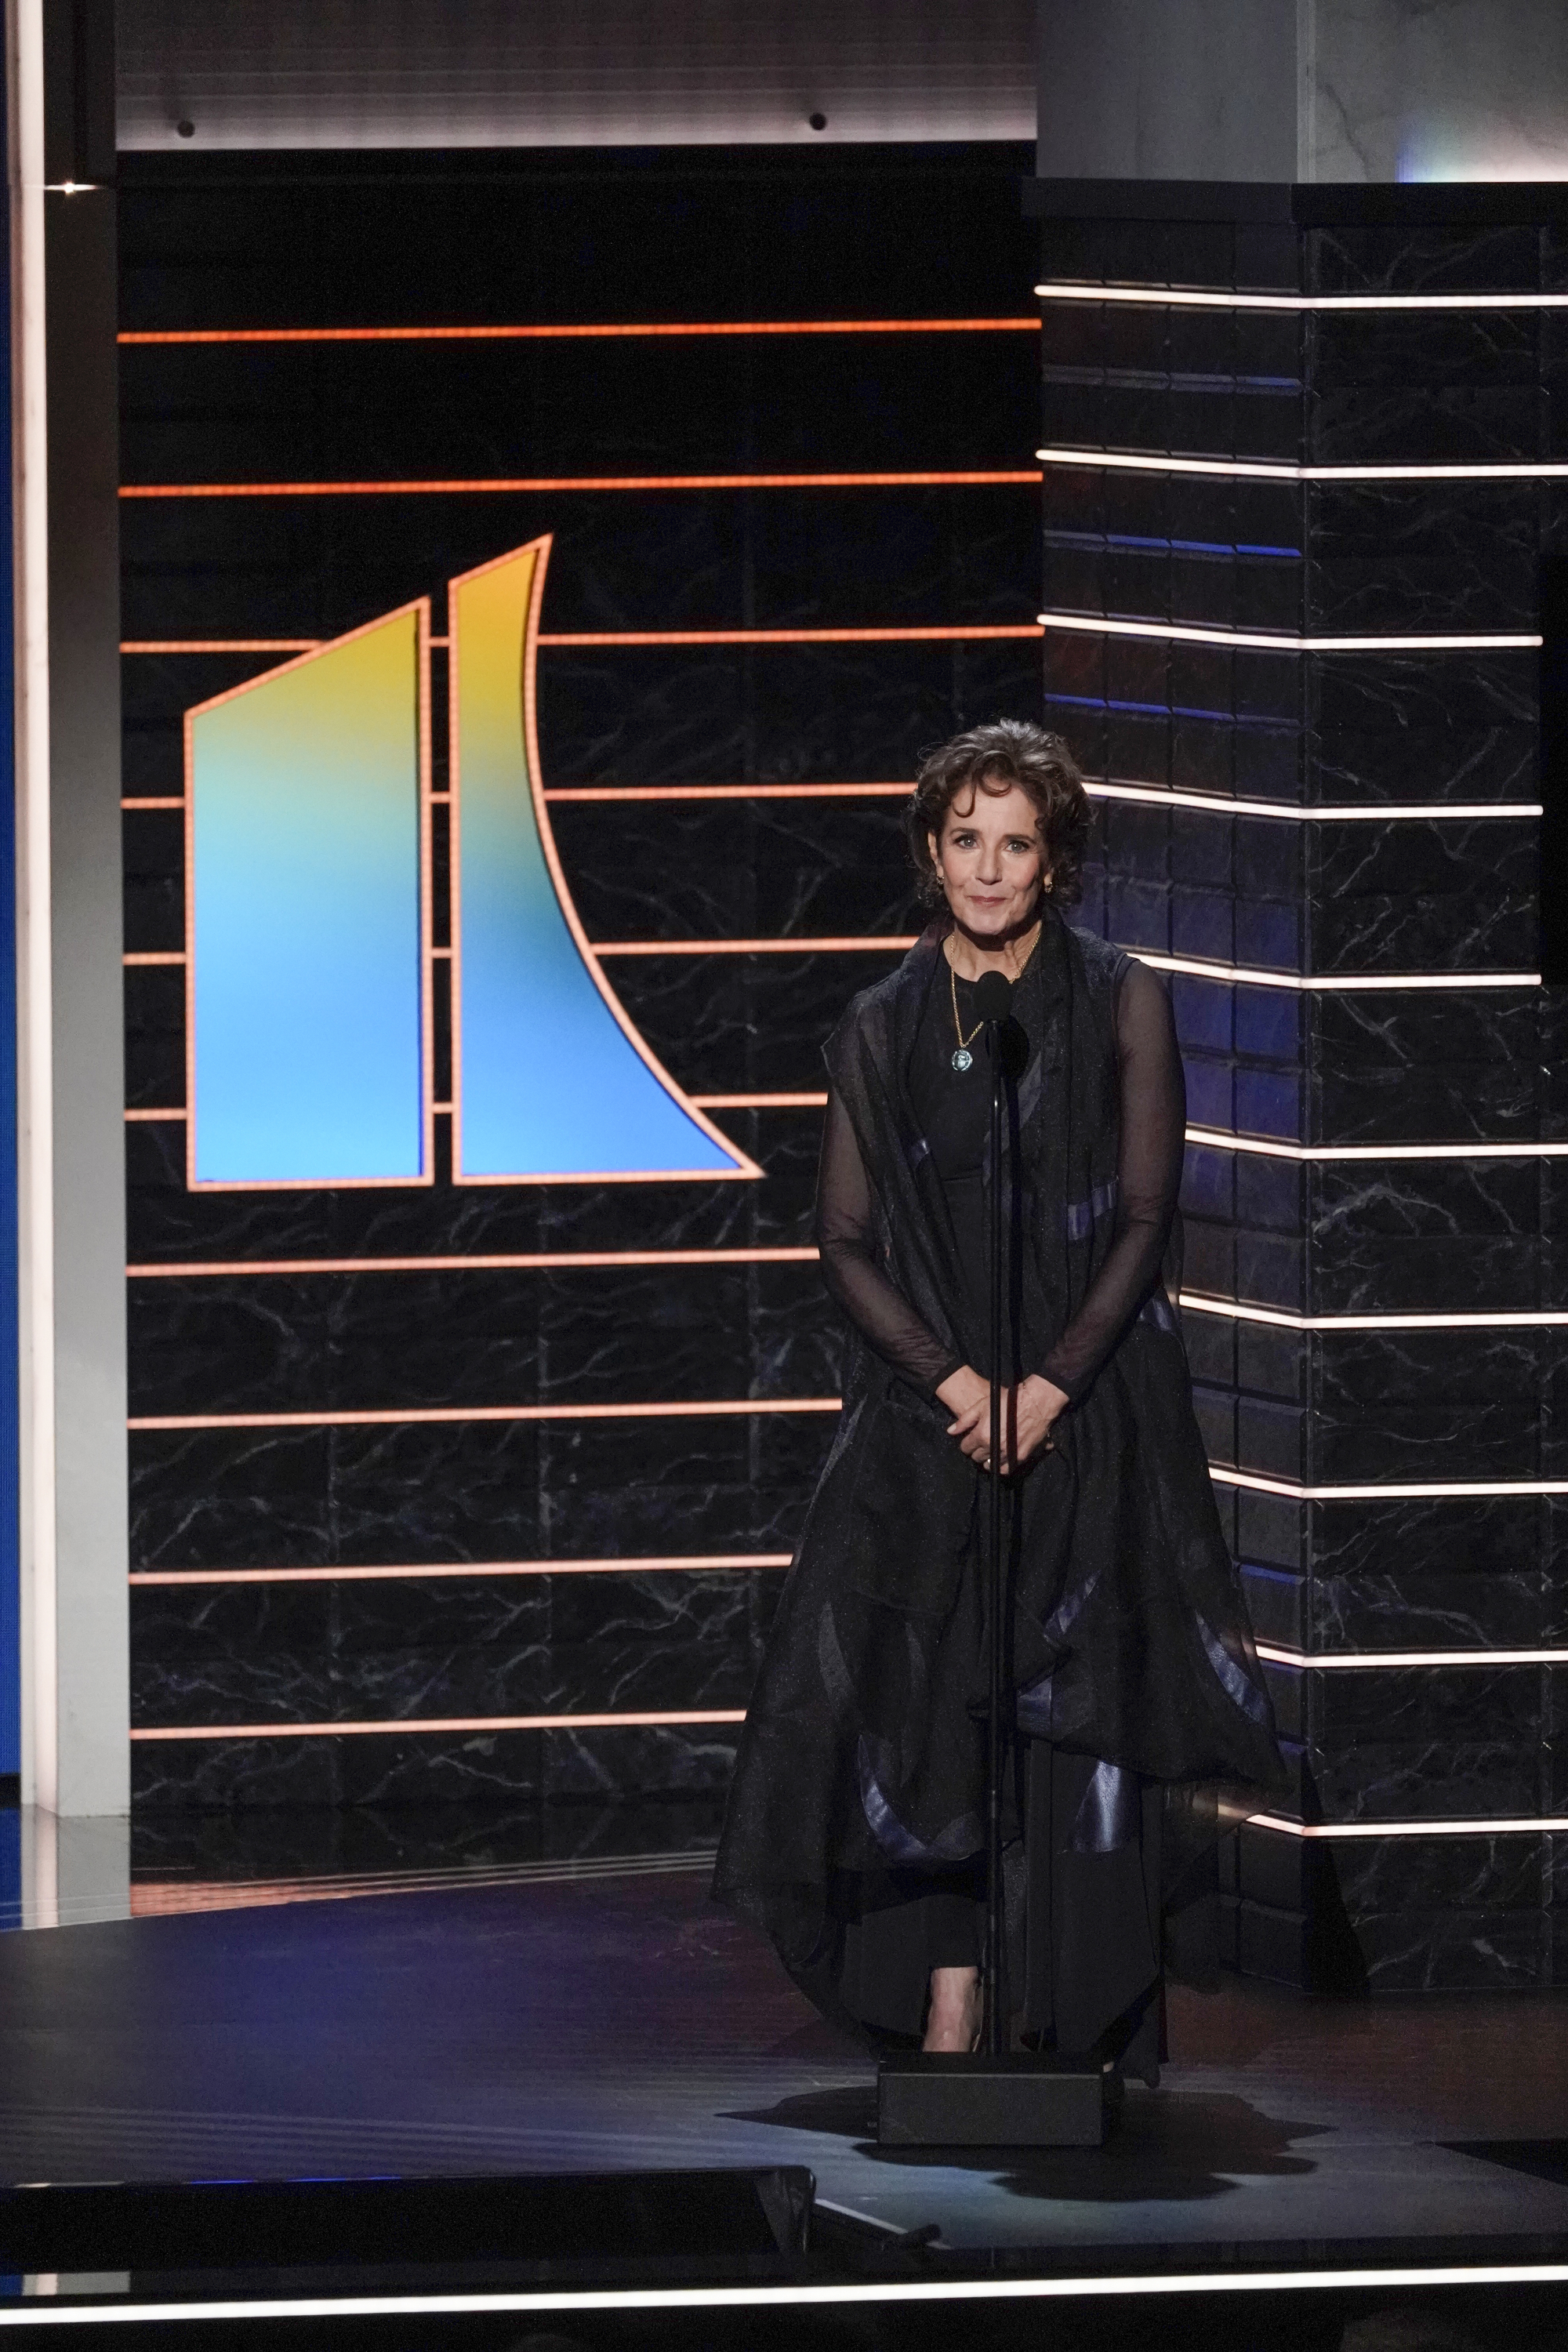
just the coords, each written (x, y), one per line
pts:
(854, 1830)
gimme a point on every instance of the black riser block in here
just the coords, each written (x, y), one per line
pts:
(937, 2099)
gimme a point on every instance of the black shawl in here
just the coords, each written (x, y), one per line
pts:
(1128, 1635)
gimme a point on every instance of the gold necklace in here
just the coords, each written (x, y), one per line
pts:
(962, 1058)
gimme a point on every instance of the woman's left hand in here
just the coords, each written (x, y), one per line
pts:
(1027, 1414)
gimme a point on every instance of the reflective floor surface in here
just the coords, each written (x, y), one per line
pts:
(506, 2011)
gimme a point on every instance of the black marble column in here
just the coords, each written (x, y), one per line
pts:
(1353, 1172)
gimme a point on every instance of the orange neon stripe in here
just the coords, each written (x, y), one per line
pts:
(970, 478)
(521, 1261)
(934, 633)
(930, 635)
(703, 1102)
(220, 645)
(763, 1102)
(720, 791)
(442, 1723)
(627, 1564)
(887, 940)
(847, 946)
(649, 792)
(397, 1416)
(575, 334)
(162, 1898)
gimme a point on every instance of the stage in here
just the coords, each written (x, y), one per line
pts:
(586, 2014)
(495, 601)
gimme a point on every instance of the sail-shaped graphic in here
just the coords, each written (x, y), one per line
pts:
(551, 1082)
(306, 948)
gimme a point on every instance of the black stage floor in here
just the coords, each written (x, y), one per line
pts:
(455, 2084)
(562, 2021)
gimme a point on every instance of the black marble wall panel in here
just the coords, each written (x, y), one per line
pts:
(728, 1022)
(1210, 253)
(1461, 729)
(1460, 1234)
(262, 1842)
(155, 1035)
(243, 1343)
(1389, 556)
(1137, 711)
(1394, 257)
(472, 1490)
(378, 412)
(1139, 377)
(492, 1771)
(387, 1648)
(687, 559)
(737, 869)
(894, 235)
(494, 238)
(1421, 1235)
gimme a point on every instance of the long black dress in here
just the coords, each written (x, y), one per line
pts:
(855, 1827)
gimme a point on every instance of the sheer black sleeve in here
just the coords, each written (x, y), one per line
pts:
(846, 1238)
(1149, 1175)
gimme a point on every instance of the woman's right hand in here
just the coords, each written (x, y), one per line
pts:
(968, 1398)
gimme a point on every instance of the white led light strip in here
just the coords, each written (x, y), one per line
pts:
(102, 2312)
(1511, 1825)
(1265, 1147)
(1280, 470)
(1095, 625)
(1334, 983)
(1276, 1655)
(1187, 297)
(1505, 1319)
(1324, 812)
(1435, 1490)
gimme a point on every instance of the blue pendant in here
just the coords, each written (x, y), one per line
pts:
(962, 1058)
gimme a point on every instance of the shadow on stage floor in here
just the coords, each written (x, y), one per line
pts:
(1174, 2145)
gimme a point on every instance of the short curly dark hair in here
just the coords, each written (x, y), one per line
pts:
(993, 759)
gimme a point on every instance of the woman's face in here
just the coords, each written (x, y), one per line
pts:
(991, 860)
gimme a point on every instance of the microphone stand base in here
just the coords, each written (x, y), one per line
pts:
(965, 2099)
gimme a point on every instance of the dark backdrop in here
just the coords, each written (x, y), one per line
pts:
(758, 234)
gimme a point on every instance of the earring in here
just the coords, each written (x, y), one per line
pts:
(1047, 882)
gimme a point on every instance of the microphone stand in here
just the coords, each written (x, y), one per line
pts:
(997, 2012)
(991, 2096)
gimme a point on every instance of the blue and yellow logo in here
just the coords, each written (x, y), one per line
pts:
(309, 960)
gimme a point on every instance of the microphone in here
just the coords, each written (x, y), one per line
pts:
(993, 996)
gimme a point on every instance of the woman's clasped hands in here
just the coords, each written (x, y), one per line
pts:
(1028, 1413)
